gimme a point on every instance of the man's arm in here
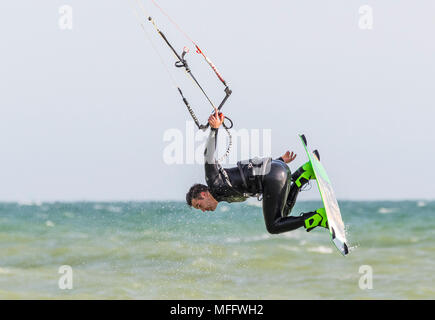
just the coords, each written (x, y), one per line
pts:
(211, 165)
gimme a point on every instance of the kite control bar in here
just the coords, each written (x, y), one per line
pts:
(182, 63)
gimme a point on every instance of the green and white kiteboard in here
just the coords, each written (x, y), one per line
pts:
(335, 222)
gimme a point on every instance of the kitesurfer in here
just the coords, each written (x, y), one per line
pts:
(261, 177)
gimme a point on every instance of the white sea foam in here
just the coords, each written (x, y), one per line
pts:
(114, 209)
(224, 208)
(261, 237)
(109, 208)
(292, 235)
(321, 249)
(421, 204)
(353, 248)
(5, 271)
(290, 248)
(68, 214)
(29, 203)
(233, 240)
(346, 230)
(254, 203)
(49, 224)
(386, 210)
(264, 236)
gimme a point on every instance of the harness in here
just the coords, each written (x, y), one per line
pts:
(252, 172)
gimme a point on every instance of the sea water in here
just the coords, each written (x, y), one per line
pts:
(165, 250)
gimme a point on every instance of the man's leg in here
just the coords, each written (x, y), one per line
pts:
(276, 186)
(299, 179)
(275, 194)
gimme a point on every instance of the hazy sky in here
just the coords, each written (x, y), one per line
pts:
(83, 112)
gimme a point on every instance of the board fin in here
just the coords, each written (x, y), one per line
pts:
(346, 250)
(317, 154)
(304, 139)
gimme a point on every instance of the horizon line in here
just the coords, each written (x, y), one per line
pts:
(36, 202)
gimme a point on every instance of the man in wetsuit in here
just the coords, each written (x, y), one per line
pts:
(265, 177)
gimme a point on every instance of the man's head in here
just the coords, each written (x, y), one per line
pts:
(199, 197)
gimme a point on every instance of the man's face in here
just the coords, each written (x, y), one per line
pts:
(207, 203)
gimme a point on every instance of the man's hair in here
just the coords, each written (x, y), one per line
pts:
(195, 192)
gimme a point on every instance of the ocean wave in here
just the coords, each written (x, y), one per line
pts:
(254, 203)
(110, 208)
(23, 203)
(383, 210)
(293, 235)
(290, 248)
(170, 252)
(114, 209)
(421, 204)
(69, 214)
(42, 215)
(414, 239)
(203, 263)
(233, 240)
(49, 224)
(224, 209)
(5, 271)
(353, 248)
(321, 249)
(262, 237)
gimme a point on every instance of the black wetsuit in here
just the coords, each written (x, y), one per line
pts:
(270, 178)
